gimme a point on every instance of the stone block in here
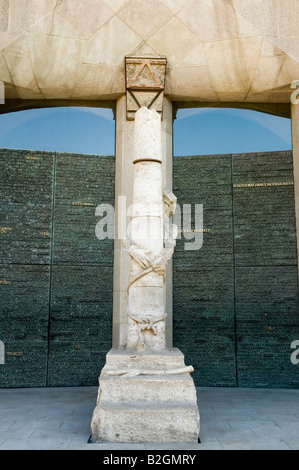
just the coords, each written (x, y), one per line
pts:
(146, 423)
(101, 47)
(240, 289)
(146, 388)
(243, 53)
(173, 39)
(146, 397)
(55, 61)
(145, 18)
(117, 359)
(70, 20)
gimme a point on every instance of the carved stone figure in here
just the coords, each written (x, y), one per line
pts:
(151, 240)
(155, 264)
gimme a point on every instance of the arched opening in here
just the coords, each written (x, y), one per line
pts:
(86, 130)
(57, 166)
(208, 131)
(236, 298)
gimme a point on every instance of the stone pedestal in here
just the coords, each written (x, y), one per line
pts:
(146, 396)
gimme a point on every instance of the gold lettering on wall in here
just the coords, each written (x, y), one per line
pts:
(257, 185)
(4, 230)
(195, 230)
(79, 203)
(4, 282)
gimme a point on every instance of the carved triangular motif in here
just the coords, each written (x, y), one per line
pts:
(132, 103)
(144, 83)
(144, 98)
(157, 103)
(145, 77)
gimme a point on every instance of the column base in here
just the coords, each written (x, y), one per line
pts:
(146, 396)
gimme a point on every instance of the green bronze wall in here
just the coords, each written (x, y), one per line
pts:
(55, 275)
(236, 307)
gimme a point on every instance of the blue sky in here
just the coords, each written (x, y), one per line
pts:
(199, 131)
(210, 131)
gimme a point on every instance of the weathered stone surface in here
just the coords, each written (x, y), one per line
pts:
(152, 359)
(215, 50)
(70, 18)
(147, 135)
(145, 80)
(4, 15)
(139, 423)
(100, 47)
(154, 405)
(129, 407)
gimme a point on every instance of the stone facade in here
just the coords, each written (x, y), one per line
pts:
(217, 51)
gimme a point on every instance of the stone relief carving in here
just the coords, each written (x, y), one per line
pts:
(134, 372)
(145, 79)
(150, 263)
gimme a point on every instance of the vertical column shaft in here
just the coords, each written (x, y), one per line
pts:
(146, 301)
(124, 175)
(167, 155)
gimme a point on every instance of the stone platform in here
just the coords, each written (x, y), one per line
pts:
(146, 397)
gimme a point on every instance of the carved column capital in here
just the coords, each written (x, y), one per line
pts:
(145, 79)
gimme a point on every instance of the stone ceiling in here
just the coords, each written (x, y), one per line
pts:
(216, 50)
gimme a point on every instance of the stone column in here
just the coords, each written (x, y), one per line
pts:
(146, 309)
(167, 155)
(295, 141)
(152, 238)
(146, 392)
(124, 174)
